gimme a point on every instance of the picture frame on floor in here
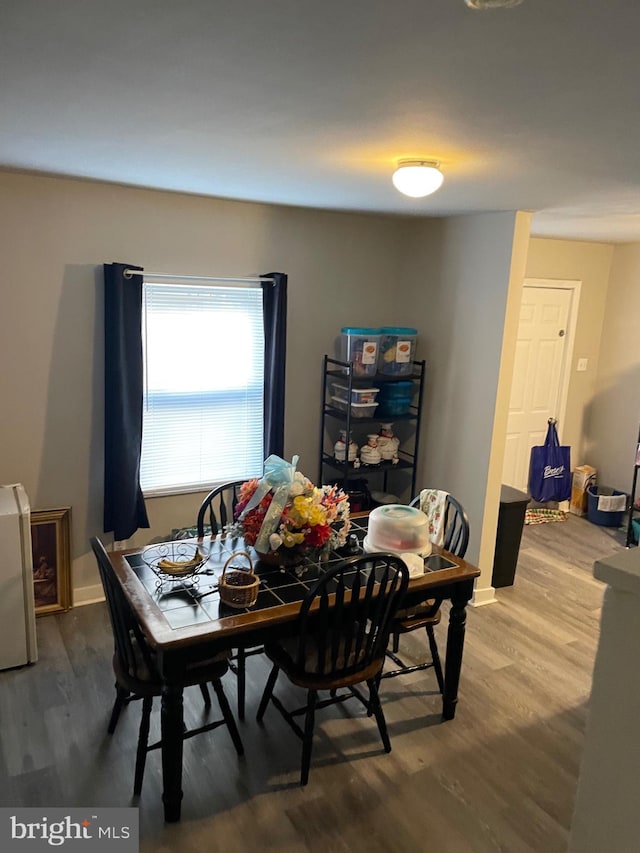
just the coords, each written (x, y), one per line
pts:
(51, 560)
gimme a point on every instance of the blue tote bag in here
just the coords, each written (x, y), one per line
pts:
(550, 469)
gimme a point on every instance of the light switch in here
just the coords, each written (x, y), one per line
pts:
(582, 363)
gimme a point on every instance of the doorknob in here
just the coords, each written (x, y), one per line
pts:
(561, 333)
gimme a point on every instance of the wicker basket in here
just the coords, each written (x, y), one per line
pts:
(238, 587)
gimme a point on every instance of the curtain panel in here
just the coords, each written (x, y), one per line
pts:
(274, 300)
(124, 508)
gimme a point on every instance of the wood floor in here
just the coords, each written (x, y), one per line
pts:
(500, 777)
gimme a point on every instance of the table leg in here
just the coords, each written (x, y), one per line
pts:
(460, 597)
(171, 721)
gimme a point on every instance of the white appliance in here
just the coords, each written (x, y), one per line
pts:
(17, 610)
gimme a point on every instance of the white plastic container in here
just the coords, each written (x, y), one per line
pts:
(397, 350)
(359, 345)
(358, 410)
(358, 395)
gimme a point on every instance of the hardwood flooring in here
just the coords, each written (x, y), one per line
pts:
(500, 777)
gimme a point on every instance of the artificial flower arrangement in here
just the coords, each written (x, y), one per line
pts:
(284, 513)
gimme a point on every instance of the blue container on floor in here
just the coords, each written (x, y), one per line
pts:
(596, 516)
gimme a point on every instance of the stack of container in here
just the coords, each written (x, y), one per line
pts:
(389, 350)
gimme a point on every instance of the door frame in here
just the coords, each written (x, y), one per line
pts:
(574, 286)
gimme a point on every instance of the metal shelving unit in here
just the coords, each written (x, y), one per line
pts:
(332, 470)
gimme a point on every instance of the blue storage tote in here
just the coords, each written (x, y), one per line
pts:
(605, 518)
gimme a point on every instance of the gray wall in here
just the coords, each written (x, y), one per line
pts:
(459, 272)
(343, 269)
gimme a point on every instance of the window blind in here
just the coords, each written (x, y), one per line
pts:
(204, 385)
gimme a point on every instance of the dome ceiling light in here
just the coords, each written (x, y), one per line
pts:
(417, 178)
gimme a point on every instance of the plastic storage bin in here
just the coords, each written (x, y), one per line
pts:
(395, 406)
(513, 507)
(397, 350)
(395, 398)
(358, 410)
(358, 395)
(360, 345)
(393, 390)
(605, 518)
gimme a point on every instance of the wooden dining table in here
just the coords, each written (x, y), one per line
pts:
(185, 621)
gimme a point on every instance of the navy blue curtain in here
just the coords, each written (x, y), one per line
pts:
(274, 301)
(124, 509)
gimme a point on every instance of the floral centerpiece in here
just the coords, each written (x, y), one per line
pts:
(286, 518)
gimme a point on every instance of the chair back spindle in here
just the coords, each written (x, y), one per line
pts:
(456, 526)
(218, 507)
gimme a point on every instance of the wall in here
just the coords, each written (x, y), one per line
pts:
(56, 234)
(589, 263)
(449, 278)
(461, 271)
(614, 412)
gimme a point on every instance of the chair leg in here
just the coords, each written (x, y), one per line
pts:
(228, 716)
(241, 660)
(143, 740)
(435, 657)
(307, 742)
(396, 642)
(118, 705)
(376, 707)
(205, 695)
(268, 690)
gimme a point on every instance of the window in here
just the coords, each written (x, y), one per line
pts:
(203, 386)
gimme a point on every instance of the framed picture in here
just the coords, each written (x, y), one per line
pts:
(51, 552)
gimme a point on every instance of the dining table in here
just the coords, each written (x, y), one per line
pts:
(185, 621)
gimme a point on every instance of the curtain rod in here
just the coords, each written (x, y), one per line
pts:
(249, 280)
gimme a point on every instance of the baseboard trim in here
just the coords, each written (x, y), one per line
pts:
(88, 595)
(483, 596)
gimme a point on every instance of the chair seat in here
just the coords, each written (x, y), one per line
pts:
(141, 681)
(419, 616)
(284, 654)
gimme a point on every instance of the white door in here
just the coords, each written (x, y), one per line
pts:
(539, 374)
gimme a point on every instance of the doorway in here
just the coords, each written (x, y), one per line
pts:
(541, 370)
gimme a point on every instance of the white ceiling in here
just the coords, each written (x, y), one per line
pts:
(311, 103)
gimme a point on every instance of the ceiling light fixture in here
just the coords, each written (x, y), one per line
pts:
(492, 4)
(417, 178)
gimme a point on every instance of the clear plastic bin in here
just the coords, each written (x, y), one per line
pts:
(358, 410)
(358, 395)
(359, 345)
(397, 350)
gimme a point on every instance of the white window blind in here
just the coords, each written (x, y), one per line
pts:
(204, 385)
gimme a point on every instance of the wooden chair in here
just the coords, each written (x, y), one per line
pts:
(342, 635)
(218, 509)
(137, 676)
(427, 614)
